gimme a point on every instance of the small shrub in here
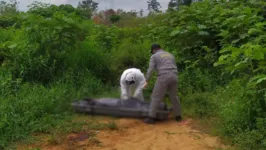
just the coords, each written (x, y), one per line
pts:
(199, 104)
(36, 108)
(254, 139)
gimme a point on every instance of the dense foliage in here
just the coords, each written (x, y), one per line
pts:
(51, 55)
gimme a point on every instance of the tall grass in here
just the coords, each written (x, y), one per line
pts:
(36, 108)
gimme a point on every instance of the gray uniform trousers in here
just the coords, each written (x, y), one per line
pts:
(165, 82)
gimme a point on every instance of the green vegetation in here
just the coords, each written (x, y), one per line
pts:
(52, 55)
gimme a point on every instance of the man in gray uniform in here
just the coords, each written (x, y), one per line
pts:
(165, 65)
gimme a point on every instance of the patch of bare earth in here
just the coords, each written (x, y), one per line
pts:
(133, 134)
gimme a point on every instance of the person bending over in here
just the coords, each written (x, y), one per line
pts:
(131, 80)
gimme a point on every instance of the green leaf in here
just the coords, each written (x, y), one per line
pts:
(224, 50)
(200, 26)
(240, 63)
(236, 52)
(222, 60)
(58, 27)
(175, 32)
(260, 24)
(203, 33)
(243, 36)
(241, 17)
(12, 46)
(224, 33)
(218, 63)
(248, 52)
(257, 77)
(260, 80)
(258, 55)
(206, 48)
(254, 31)
(108, 37)
(192, 28)
(235, 41)
(187, 61)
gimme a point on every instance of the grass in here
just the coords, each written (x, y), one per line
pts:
(76, 124)
(38, 109)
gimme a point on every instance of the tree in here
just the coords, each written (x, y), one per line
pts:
(186, 2)
(48, 10)
(141, 13)
(88, 4)
(173, 4)
(8, 15)
(8, 8)
(114, 18)
(119, 17)
(87, 7)
(153, 6)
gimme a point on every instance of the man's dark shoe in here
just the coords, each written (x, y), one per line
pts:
(149, 120)
(178, 118)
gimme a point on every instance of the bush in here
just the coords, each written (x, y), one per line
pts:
(199, 104)
(37, 51)
(254, 139)
(35, 108)
(88, 56)
(129, 55)
(233, 109)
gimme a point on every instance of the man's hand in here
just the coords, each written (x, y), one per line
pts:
(145, 84)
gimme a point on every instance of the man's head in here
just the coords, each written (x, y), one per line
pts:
(130, 79)
(155, 47)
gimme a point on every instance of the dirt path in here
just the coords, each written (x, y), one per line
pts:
(133, 134)
(163, 136)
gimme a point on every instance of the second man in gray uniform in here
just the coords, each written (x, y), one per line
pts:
(167, 80)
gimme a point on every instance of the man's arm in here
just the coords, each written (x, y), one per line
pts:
(151, 68)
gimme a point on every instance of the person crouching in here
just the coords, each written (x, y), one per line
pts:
(132, 79)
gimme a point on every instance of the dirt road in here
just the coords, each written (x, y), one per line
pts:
(133, 134)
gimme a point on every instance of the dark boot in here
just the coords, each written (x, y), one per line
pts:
(178, 118)
(149, 120)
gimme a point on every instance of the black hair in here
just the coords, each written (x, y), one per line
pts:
(155, 46)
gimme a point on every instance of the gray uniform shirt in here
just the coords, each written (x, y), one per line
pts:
(163, 62)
